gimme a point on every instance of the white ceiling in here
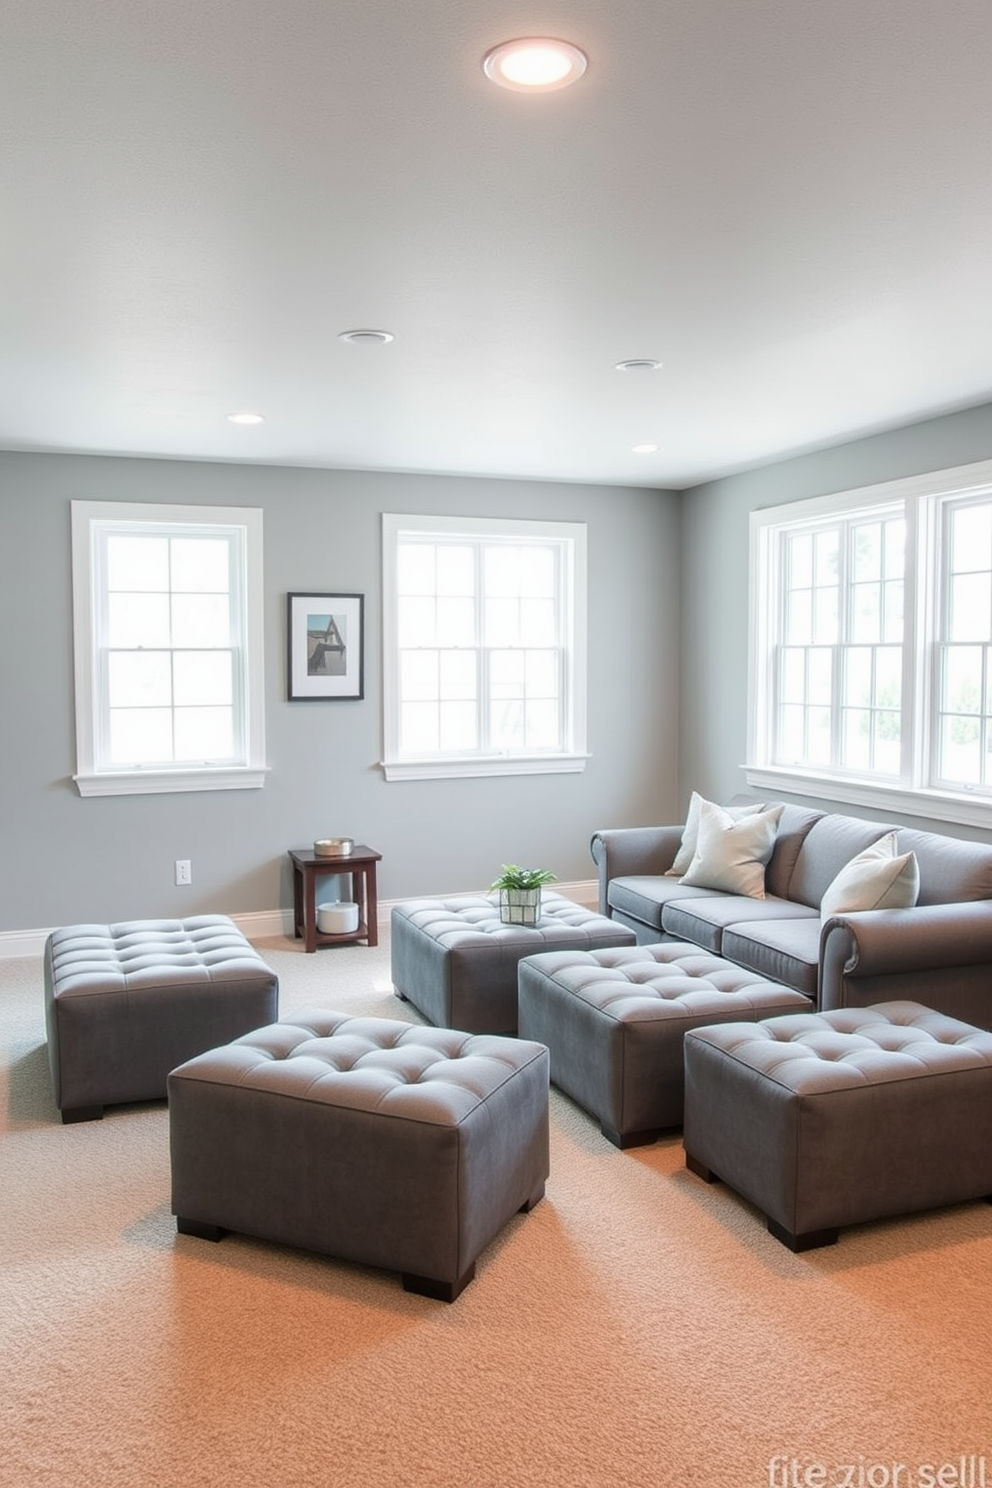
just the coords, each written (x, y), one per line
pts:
(788, 203)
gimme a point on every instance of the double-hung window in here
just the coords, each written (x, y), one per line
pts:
(167, 617)
(871, 646)
(484, 640)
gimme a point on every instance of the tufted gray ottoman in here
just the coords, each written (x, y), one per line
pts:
(125, 1003)
(830, 1119)
(456, 961)
(614, 1021)
(406, 1148)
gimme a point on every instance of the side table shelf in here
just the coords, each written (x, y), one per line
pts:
(360, 866)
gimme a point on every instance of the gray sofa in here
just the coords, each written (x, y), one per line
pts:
(938, 953)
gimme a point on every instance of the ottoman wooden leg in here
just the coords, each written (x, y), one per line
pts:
(700, 1169)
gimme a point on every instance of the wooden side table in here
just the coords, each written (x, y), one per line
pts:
(359, 864)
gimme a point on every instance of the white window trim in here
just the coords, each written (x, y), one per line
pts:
(139, 782)
(920, 493)
(451, 767)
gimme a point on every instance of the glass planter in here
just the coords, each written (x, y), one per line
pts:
(520, 906)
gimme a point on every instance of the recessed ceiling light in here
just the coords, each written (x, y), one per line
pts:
(366, 338)
(245, 418)
(534, 64)
(644, 449)
(639, 364)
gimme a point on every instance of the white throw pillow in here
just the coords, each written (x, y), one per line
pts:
(690, 832)
(731, 855)
(876, 879)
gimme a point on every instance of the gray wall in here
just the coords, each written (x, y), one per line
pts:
(715, 536)
(66, 860)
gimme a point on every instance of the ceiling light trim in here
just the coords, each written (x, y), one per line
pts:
(365, 337)
(535, 64)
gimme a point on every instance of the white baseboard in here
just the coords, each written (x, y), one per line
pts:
(263, 924)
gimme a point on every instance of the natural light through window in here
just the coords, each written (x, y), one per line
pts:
(484, 646)
(871, 644)
(168, 648)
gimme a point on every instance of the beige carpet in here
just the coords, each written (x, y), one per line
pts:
(637, 1330)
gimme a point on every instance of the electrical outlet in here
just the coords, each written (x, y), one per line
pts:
(184, 871)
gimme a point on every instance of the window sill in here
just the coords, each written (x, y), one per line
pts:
(159, 782)
(963, 808)
(459, 769)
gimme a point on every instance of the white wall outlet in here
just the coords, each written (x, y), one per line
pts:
(184, 871)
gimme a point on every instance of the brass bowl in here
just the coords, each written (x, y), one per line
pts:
(333, 847)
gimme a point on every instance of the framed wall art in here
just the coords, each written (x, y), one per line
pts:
(326, 646)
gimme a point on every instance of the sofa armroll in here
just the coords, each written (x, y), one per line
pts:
(937, 954)
(621, 851)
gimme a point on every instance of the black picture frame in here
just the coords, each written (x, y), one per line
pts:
(326, 647)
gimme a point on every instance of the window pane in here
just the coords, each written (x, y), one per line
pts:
(895, 549)
(825, 616)
(416, 568)
(140, 736)
(888, 676)
(139, 679)
(858, 675)
(971, 538)
(888, 742)
(893, 626)
(458, 674)
(792, 735)
(201, 678)
(455, 570)
(818, 738)
(793, 674)
(800, 562)
(825, 549)
(502, 622)
(867, 555)
(857, 739)
(138, 620)
(799, 617)
(506, 674)
(508, 725)
(537, 572)
(204, 734)
(418, 675)
(200, 565)
(541, 725)
(455, 622)
(542, 674)
(501, 567)
(416, 622)
(970, 609)
(458, 730)
(419, 728)
(820, 675)
(960, 750)
(866, 615)
(139, 564)
(538, 622)
(962, 691)
(201, 620)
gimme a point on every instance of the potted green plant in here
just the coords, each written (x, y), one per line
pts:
(520, 893)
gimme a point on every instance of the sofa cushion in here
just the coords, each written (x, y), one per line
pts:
(783, 950)
(690, 834)
(731, 854)
(877, 878)
(793, 828)
(703, 922)
(951, 871)
(644, 896)
(829, 846)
